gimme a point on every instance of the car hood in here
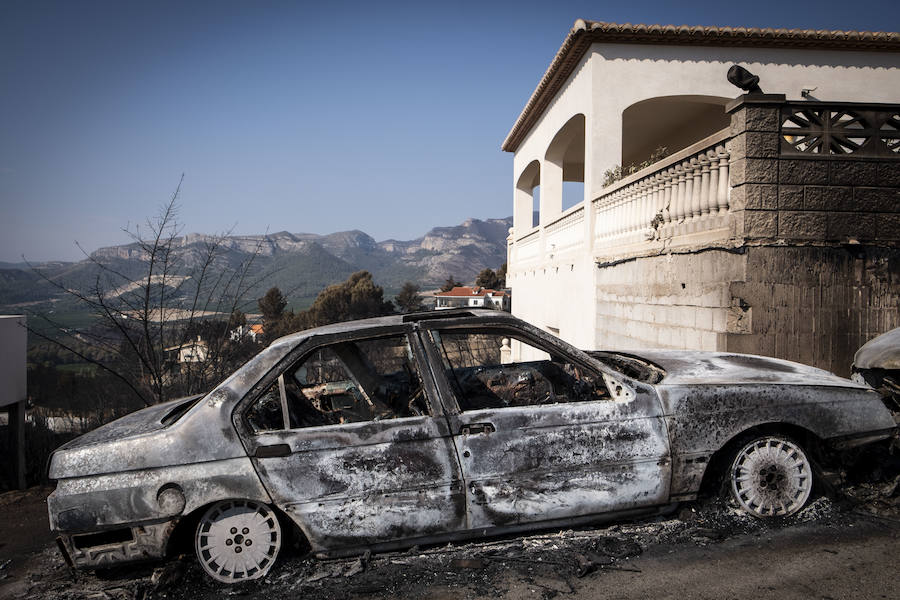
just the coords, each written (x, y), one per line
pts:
(882, 352)
(695, 367)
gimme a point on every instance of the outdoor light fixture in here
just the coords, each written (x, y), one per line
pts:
(744, 79)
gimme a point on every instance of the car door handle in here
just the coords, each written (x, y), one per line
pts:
(273, 451)
(476, 428)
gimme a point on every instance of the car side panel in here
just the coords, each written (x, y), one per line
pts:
(563, 460)
(702, 418)
(365, 483)
(95, 502)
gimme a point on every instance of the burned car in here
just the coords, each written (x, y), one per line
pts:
(877, 363)
(431, 427)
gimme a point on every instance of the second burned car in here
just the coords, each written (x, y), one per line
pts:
(431, 427)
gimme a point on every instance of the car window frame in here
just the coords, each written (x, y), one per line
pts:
(314, 342)
(449, 399)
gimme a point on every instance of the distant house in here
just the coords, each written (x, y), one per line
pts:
(254, 332)
(464, 296)
(191, 352)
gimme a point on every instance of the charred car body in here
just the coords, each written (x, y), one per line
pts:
(877, 363)
(425, 428)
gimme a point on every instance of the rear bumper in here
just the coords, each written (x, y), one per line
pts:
(116, 546)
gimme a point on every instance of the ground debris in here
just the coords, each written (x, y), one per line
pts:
(467, 563)
(168, 575)
(872, 483)
(615, 547)
(359, 565)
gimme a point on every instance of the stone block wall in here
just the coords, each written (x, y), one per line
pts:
(669, 301)
(812, 304)
(816, 198)
(811, 272)
(816, 305)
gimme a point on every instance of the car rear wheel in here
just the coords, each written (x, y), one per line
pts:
(238, 540)
(771, 477)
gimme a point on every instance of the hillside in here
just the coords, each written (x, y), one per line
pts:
(301, 264)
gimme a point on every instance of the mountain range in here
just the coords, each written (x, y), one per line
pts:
(300, 264)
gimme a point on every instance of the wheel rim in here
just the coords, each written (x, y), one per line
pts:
(238, 540)
(771, 477)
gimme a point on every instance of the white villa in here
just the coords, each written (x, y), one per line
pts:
(463, 296)
(669, 256)
(193, 351)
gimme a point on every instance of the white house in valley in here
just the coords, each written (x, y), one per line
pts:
(193, 351)
(465, 296)
(671, 256)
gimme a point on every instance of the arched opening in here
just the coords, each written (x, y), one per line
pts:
(528, 197)
(563, 179)
(670, 122)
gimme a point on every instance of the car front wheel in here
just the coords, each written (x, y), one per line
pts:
(238, 540)
(771, 477)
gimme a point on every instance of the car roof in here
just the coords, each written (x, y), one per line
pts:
(394, 320)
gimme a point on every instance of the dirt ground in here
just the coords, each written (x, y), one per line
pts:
(841, 546)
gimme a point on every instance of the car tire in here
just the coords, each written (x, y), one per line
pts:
(237, 540)
(771, 476)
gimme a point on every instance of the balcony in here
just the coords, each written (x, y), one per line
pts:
(782, 172)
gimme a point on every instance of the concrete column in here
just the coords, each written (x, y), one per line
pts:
(753, 164)
(522, 211)
(551, 190)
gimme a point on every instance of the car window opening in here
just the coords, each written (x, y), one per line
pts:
(496, 370)
(346, 382)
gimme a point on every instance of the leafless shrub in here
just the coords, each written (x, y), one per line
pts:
(149, 322)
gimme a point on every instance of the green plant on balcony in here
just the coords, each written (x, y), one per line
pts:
(618, 172)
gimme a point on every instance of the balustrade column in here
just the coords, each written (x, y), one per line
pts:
(635, 205)
(668, 195)
(656, 205)
(678, 215)
(630, 207)
(688, 204)
(644, 205)
(712, 196)
(619, 212)
(695, 189)
(599, 220)
(704, 185)
(722, 193)
(617, 216)
(608, 223)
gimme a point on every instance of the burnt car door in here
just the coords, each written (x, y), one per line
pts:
(350, 443)
(543, 435)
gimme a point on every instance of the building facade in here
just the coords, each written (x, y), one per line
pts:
(772, 223)
(464, 296)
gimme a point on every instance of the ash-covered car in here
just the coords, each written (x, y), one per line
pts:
(431, 427)
(877, 363)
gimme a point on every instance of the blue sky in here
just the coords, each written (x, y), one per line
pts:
(305, 117)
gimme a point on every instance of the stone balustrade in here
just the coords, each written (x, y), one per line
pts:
(681, 199)
(783, 170)
(687, 193)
